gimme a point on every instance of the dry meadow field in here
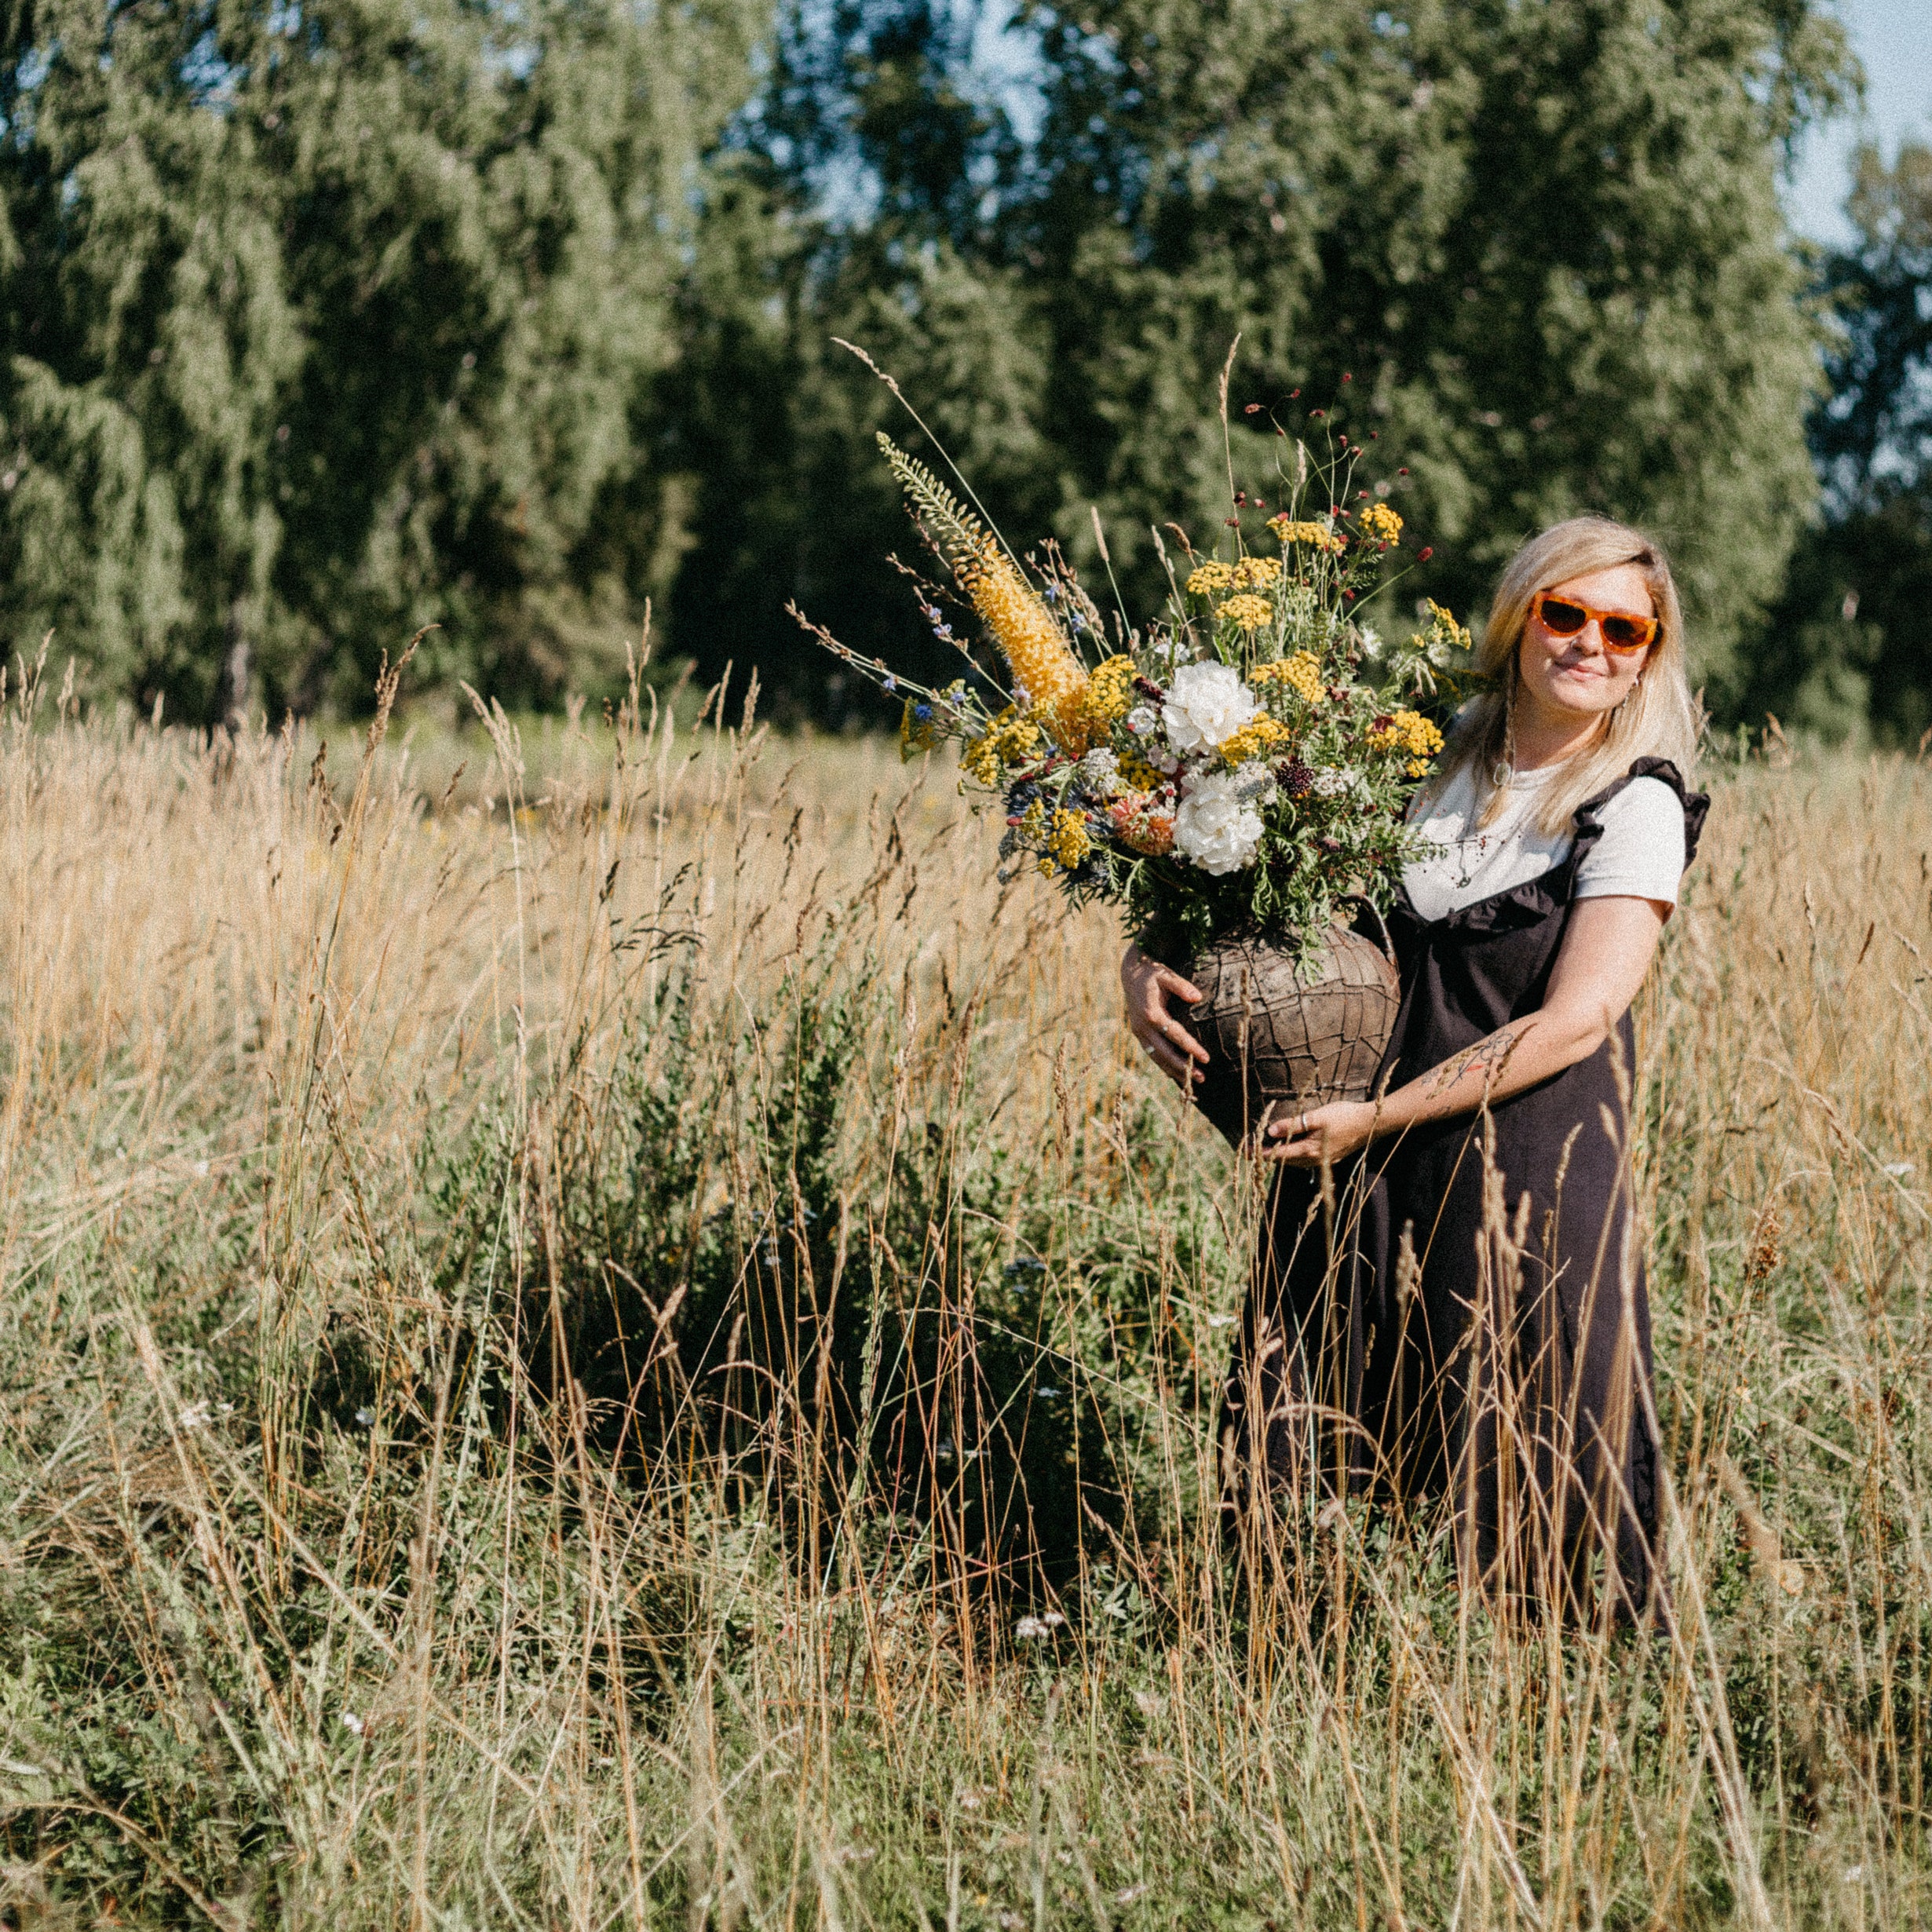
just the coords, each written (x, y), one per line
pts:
(619, 1340)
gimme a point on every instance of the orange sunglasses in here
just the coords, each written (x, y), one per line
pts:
(1621, 631)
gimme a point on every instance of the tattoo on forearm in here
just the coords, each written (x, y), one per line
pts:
(1492, 1055)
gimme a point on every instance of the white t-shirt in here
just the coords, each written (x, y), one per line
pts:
(1640, 856)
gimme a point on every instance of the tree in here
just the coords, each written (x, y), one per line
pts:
(1542, 240)
(1848, 648)
(323, 324)
(1534, 249)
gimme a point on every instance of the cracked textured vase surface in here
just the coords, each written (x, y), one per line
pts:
(1277, 1041)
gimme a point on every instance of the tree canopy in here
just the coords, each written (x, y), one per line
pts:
(325, 322)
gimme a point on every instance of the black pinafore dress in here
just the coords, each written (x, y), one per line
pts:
(1461, 1311)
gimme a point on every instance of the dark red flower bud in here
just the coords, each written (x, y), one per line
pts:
(1423, 555)
(1233, 523)
(1349, 595)
(1362, 496)
(1403, 471)
(1261, 502)
(1382, 723)
(1252, 409)
(1293, 393)
(1240, 497)
(1348, 378)
(1316, 414)
(1148, 688)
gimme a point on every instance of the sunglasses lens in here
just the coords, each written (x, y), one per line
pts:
(1564, 618)
(1626, 633)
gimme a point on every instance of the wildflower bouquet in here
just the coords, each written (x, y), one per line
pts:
(1241, 767)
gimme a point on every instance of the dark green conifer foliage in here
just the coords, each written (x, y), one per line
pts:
(322, 322)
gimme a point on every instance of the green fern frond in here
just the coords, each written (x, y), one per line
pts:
(960, 536)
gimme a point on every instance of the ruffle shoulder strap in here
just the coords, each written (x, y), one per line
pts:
(1697, 808)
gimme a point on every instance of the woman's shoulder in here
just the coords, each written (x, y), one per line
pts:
(1641, 834)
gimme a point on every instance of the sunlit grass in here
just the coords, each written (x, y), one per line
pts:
(624, 1343)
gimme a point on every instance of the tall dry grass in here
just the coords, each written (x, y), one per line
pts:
(634, 1349)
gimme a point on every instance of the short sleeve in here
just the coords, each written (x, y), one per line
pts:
(1640, 854)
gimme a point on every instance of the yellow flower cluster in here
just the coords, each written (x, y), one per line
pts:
(917, 734)
(1040, 657)
(1254, 740)
(1409, 731)
(1316, 536)
(1380, 521)
(1068, 843)
(1137, 775)
(1209, 578)
(1009, 739)
(1257, 573)
(1300, 672)
(1110, 690)
(1443, 625)
(1250, 611)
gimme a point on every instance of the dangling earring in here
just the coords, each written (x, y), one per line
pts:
(1504, 769)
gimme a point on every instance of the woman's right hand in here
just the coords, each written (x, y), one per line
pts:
(1147, 984)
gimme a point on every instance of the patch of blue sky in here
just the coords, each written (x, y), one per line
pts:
(1893, 40)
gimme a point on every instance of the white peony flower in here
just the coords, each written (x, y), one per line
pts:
(1142, 719)
(1215, 826)
(1206, 705)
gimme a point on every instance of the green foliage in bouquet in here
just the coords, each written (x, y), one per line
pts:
(1243, 763)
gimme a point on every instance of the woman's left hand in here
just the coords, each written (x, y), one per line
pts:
(1322, 1133)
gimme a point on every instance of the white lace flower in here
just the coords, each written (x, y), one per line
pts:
(1371, 640)
(1332, 780)
(1206, 704)
(1099, 770)
(1215, 826)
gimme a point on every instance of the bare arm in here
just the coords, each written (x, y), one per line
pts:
(1606, 951)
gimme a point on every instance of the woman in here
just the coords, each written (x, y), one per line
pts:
(1451, 1270)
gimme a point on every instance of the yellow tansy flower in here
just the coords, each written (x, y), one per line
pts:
(1300, 672)
(1067, 842)
(1380, 521)
(1409, 731)
(1257, 573)
(1209, 578)
(1248, 611)
(1254, 740)
(1315, 536)
(1110, 690)
(1010, 738)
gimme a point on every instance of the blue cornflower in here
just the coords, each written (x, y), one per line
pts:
(891, 684)
(921, 712)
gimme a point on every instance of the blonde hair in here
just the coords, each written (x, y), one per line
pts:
(1659, 718)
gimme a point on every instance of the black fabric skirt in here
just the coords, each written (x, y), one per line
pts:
(1462, 1312)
